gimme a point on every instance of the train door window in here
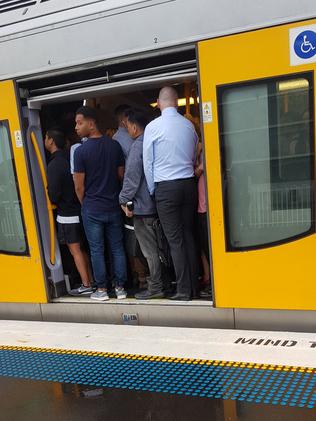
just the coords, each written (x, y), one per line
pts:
(12, 235)
(266, 130)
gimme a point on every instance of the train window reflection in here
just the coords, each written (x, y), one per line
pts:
(12, 236)
(267, 155)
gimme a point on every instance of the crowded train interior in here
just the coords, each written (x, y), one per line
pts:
(62, 116)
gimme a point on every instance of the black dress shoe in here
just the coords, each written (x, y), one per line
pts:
(147, 295)
(180, 297)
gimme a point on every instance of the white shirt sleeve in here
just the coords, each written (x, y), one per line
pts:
(72, 157)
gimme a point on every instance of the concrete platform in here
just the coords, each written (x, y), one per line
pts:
(286, 348)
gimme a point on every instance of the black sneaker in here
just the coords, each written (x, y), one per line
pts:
(206, 293)
(180, 297)
(147, 295)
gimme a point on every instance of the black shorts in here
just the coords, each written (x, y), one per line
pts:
(69, 233)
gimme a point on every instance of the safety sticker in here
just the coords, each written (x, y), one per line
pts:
(18, 139)
(207, 112)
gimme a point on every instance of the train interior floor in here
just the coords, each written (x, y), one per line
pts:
(130, 300)
(62, 115)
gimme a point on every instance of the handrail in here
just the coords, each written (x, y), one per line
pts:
(50, 206)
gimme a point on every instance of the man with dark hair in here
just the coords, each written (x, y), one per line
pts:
(99, 169)
(122, 136)
(62, 193)
(135, 190)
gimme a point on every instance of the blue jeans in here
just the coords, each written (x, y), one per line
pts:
(98, 228)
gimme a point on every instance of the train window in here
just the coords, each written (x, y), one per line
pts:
(266, 130)
(12, 236)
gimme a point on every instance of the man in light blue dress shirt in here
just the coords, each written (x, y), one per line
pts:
(169, 155)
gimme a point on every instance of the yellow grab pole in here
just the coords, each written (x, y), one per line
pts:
(50, 206)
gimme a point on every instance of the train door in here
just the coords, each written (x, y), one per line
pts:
(22, 273)
(258, 102)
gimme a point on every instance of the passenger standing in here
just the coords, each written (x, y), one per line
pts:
(99, 169)
(122, 136)
(62, 193)
(170, 143)
(203, 227)
(136, 265)
(135, 190)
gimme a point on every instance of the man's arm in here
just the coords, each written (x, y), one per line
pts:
(54, 183)
(120, 161)
(196, 143)
(120, 172)
(79, 185)
(79, 173)
(133, 174)
(199, 169)
(148, 160)
(72, 157)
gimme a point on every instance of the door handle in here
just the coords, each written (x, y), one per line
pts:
(50, 206)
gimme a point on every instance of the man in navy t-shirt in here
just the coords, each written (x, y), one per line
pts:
(99, 169)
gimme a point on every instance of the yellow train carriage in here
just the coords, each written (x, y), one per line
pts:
(253, 77)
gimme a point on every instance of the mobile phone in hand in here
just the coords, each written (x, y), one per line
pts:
(130, 206)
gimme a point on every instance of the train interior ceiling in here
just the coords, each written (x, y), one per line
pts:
(62, 115)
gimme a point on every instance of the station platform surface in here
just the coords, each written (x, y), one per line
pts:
(277, 368)
(278, 348)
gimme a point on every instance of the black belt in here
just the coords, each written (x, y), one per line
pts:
(173, 181)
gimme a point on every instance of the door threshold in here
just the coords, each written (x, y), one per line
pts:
(133, 301)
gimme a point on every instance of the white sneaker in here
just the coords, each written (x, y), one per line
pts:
(120, 293)
(100, 296)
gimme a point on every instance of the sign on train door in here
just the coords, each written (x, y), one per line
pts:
(260, 155)
(21, 271)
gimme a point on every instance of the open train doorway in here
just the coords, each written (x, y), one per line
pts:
(61, 114)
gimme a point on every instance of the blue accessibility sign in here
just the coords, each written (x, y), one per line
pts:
(305, 44)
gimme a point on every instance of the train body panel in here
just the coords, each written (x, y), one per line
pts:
(48, 37)
(260, 259)
(22, 277)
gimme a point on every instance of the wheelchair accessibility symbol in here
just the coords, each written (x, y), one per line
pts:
(305, 44)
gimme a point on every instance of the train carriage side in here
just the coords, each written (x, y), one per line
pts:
(257, 108)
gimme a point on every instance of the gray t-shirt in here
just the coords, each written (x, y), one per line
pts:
(123, 138)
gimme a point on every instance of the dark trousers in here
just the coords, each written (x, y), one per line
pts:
(177, 207)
